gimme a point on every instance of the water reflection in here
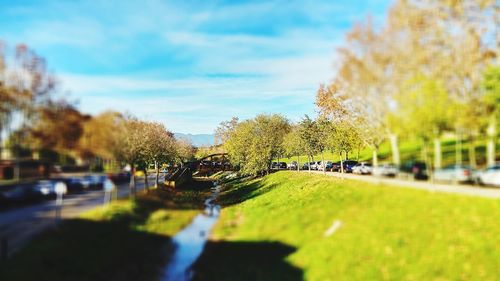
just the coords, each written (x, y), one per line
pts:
(190, 241)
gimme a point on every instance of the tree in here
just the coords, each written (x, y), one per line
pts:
(59, 127)
(239, 142)
(100, 138)
(224, 130)
(491, 88)
(25, 84)
(185, 150)
(309, 137)
(293, 144)
(131, 148)
(426, 109)
(159, 146)
(254, 143)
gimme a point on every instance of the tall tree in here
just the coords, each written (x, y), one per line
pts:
(159, 146)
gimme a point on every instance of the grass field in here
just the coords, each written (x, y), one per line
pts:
(128, 240)
(410, 150)
(273, 228)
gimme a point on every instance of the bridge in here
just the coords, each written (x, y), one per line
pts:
(204, 166)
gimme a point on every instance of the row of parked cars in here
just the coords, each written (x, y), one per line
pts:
(45, 189)
(415, 169)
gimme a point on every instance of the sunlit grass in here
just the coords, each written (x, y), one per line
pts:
(387, 233)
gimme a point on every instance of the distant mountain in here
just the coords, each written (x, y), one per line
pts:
(198, 139)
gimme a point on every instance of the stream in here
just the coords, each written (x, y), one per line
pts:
(189, 242)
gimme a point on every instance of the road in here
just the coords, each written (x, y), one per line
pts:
(19, 225)
(469, 190)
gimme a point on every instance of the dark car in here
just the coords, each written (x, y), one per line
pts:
(348, 165)
(281, 165)
(117, 178)
(20, 193)
(417, 169)
(307, 165)
(94, 181)
(335, 167)
(73, 184)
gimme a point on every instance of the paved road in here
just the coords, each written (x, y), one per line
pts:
(19, 225)
(470, 190)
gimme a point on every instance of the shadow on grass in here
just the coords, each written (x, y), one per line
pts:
(246, 261)
(111, 248)
(88, 250)
(237, 192)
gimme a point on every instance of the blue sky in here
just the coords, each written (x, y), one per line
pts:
(188, 64)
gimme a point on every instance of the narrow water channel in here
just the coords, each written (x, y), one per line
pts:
(190, 241)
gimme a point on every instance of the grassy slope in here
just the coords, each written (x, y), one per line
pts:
(387, 233)
(410, 149)
(128, 240)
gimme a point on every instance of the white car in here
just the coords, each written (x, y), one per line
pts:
(454, 173)
(362, 168)
(315, 165)
(489, 176)
(386, 170)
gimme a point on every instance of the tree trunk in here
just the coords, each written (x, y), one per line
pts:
(323, 162)
(458, 148)
(146, 183)
(298, 163)
(425, 155)
(490, 157)
(472, 152)
(375, 157)
(437, 153)
(157, 169)
(341, 163)
(309, 163)
(395, 149)
(347, 155)
(132, 184)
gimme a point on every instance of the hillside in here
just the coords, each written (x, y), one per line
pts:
(276, 228)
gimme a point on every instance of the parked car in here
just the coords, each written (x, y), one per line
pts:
(307, 165)
(281, 165)
(316, 165)
(292, 165)
(17, 193)
(417, 169)
(274, 165)
(120, 177)
(326, 166)
(94, 181)
(489, 176)
(335, 167)
(73, 184)
(362, 168)
(386, 170)
(46, 188)
(348, 165)
(454, 173)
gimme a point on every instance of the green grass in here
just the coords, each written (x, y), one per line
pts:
(127, 240)
(273, 229)
(410, 150)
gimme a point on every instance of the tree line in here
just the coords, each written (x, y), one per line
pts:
(37, 120)
(431, 68)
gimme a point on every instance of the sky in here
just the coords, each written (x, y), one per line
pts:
(188, 64)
